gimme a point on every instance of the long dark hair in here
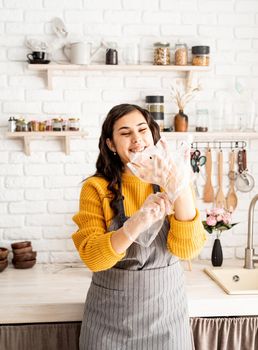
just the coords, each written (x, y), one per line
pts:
(109, 165)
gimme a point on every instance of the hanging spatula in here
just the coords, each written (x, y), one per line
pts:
(220, 198)
(208, 192)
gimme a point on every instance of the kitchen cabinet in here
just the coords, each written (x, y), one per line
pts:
(64, 136)
(49, 69)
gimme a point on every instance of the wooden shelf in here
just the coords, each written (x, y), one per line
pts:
(64, 135)
(170, 136)
(211, 136)
(50, 68)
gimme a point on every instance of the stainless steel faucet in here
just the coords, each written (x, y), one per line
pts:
(250, 256)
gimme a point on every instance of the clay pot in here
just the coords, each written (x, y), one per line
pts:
(3, 253)
(24, 264)
(3, 264)
(19, 245)
(24, 257)
(22, 250)
(181, 121)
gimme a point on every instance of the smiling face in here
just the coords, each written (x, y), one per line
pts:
(131, 134)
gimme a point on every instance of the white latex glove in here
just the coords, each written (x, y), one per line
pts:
(157, 165)
(144, 225)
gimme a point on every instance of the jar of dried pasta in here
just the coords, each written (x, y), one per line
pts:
(181, 54)
(161, 53)
(200, 55)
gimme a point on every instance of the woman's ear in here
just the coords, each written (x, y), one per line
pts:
(110, 145)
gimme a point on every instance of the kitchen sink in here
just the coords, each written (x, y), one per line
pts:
(235, 280)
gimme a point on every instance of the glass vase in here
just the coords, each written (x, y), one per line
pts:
(217, 254)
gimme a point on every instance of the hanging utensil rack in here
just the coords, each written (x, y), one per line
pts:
(219, 144)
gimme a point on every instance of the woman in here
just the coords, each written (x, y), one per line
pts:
(136, 299)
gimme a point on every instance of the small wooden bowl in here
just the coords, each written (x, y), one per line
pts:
(24, 264)
(22, 250)
(3, 253)
(3, 264)
(24, 257)
(18, 245)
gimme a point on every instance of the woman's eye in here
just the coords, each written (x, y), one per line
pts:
(142, 130)
(125, 134)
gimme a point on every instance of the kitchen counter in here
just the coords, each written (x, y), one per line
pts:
(56, 293)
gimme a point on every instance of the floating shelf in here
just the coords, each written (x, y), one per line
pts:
(64, 135)
(170, 136)
(211, 136)
(50, 68)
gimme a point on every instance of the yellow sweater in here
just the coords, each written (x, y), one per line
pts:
(185, 239)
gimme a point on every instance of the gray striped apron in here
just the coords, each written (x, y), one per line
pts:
(140, 303)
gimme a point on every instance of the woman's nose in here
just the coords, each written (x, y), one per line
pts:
(137, 139)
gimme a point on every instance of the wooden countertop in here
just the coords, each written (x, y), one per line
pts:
(57, 292)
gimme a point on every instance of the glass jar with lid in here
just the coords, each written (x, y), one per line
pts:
(57, 124)
(155, 105)
(21, 125)
(74, 124)
(181, 54)
(202, 120)
(161, 53)
(200, 55)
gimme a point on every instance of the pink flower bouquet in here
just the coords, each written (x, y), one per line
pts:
(218, 219)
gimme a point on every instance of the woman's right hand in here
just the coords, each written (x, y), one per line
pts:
(155, 207)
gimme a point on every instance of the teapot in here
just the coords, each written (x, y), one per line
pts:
(80, 52)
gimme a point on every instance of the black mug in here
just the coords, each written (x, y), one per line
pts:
(37, 56)
(111, 56)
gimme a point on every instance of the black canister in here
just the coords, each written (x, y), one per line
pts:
(155, 105)
(111, 56)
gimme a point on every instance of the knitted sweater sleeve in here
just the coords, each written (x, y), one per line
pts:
(92, 239)
(186, 238)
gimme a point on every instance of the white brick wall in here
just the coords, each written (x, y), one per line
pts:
(39, 194)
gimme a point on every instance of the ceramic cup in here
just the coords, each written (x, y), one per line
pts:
(37, 56)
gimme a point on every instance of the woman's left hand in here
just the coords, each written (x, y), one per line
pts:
(156, 165)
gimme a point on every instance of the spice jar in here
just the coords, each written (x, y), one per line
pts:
(202, 120)
(34, 125)
(48, 125)
(155, 105)
(111, 56)
(181, 54)
(21, 125)
(57, 124)
(200, 55)
(12, 124)
(74, 124)
(161, 53)
(42, 126)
